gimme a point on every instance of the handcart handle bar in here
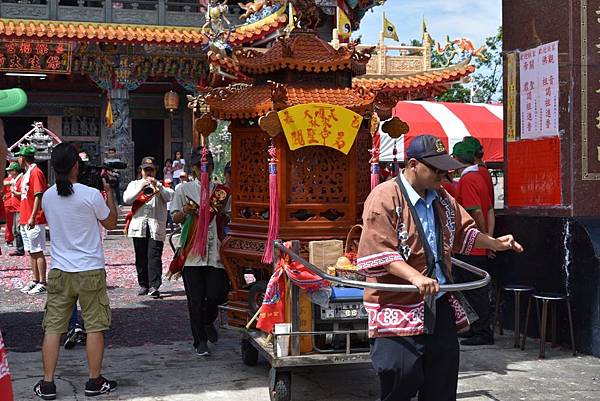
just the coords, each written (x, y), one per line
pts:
(485, 277)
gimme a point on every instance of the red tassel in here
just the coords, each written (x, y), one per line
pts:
(200, 240)
(273, 207)
(374, 175)
(375, 160)
(395, 164)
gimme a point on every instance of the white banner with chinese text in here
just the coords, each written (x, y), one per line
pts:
(539, 91)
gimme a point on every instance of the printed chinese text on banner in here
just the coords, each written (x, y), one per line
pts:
(320, 124)
(539, 91)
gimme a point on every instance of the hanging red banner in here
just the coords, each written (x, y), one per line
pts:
(36, 56)
(533, 172)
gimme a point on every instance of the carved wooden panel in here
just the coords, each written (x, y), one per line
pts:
(398, 65)
(317, 174)
(363, 144)
(124, 16)
(28, 11)
(185, 19)
(252, 167)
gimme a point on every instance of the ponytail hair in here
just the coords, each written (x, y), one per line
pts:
(64, 156)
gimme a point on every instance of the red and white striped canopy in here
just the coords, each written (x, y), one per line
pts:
(450, 122)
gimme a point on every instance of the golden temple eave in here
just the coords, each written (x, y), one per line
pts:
(418, 80)
(100, 32)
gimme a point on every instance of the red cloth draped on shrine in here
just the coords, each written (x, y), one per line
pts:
(272, 310)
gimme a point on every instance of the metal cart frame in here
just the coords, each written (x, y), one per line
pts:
(255, 343)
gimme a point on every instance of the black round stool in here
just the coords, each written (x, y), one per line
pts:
(517, 290)
(554, 299)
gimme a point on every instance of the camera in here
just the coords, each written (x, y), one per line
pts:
(148, 191)
(92, 175)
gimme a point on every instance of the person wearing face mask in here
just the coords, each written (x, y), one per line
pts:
(146, 224)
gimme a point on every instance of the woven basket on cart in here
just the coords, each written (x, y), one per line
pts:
(350, 251)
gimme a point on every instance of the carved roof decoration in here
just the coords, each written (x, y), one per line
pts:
(415, 81)
(303, 51)
(100, 32)
(228, 68)
(249, 33)
(256, 101)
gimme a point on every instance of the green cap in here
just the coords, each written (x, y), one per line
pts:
(12, 100)
(462, 149)
(26, 151)
(472, 143)
(13, 166)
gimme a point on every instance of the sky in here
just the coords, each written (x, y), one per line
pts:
(474, 19)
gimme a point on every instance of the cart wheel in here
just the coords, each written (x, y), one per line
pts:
(280, 389)
(249, 353)
(256, 295)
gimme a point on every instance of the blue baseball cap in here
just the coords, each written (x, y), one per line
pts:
(431, 150)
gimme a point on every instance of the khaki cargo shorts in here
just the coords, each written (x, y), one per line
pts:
(64, 289)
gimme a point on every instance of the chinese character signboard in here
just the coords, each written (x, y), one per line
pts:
(35, 56)
(539, 91)
(321, 124)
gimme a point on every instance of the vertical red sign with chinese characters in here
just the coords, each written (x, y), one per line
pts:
(35, 56)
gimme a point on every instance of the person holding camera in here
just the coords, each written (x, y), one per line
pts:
(113, 176)
(146, 224)
(75, 213)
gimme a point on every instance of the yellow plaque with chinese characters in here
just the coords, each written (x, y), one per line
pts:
(320, 124)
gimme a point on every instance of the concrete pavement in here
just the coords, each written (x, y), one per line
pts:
(150, 354)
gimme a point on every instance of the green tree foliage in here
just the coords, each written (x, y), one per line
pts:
(458, 93)
(487, 79)
(220, 146)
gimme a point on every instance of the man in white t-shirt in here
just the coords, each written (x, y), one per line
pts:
(75, 213)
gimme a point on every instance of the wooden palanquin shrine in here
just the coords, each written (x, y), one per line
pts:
(321, 190)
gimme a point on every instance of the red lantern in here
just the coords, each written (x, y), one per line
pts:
(171, 101)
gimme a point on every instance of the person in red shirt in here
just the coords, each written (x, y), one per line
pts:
(473, 196)
(477, 149)
(32, 219)
(8, 216)
(13, 205)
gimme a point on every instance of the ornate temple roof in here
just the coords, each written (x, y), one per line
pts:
(256, 101)
(303, 51)
(416, 80)
(131, 33)
(249, 33)
(90, 31)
